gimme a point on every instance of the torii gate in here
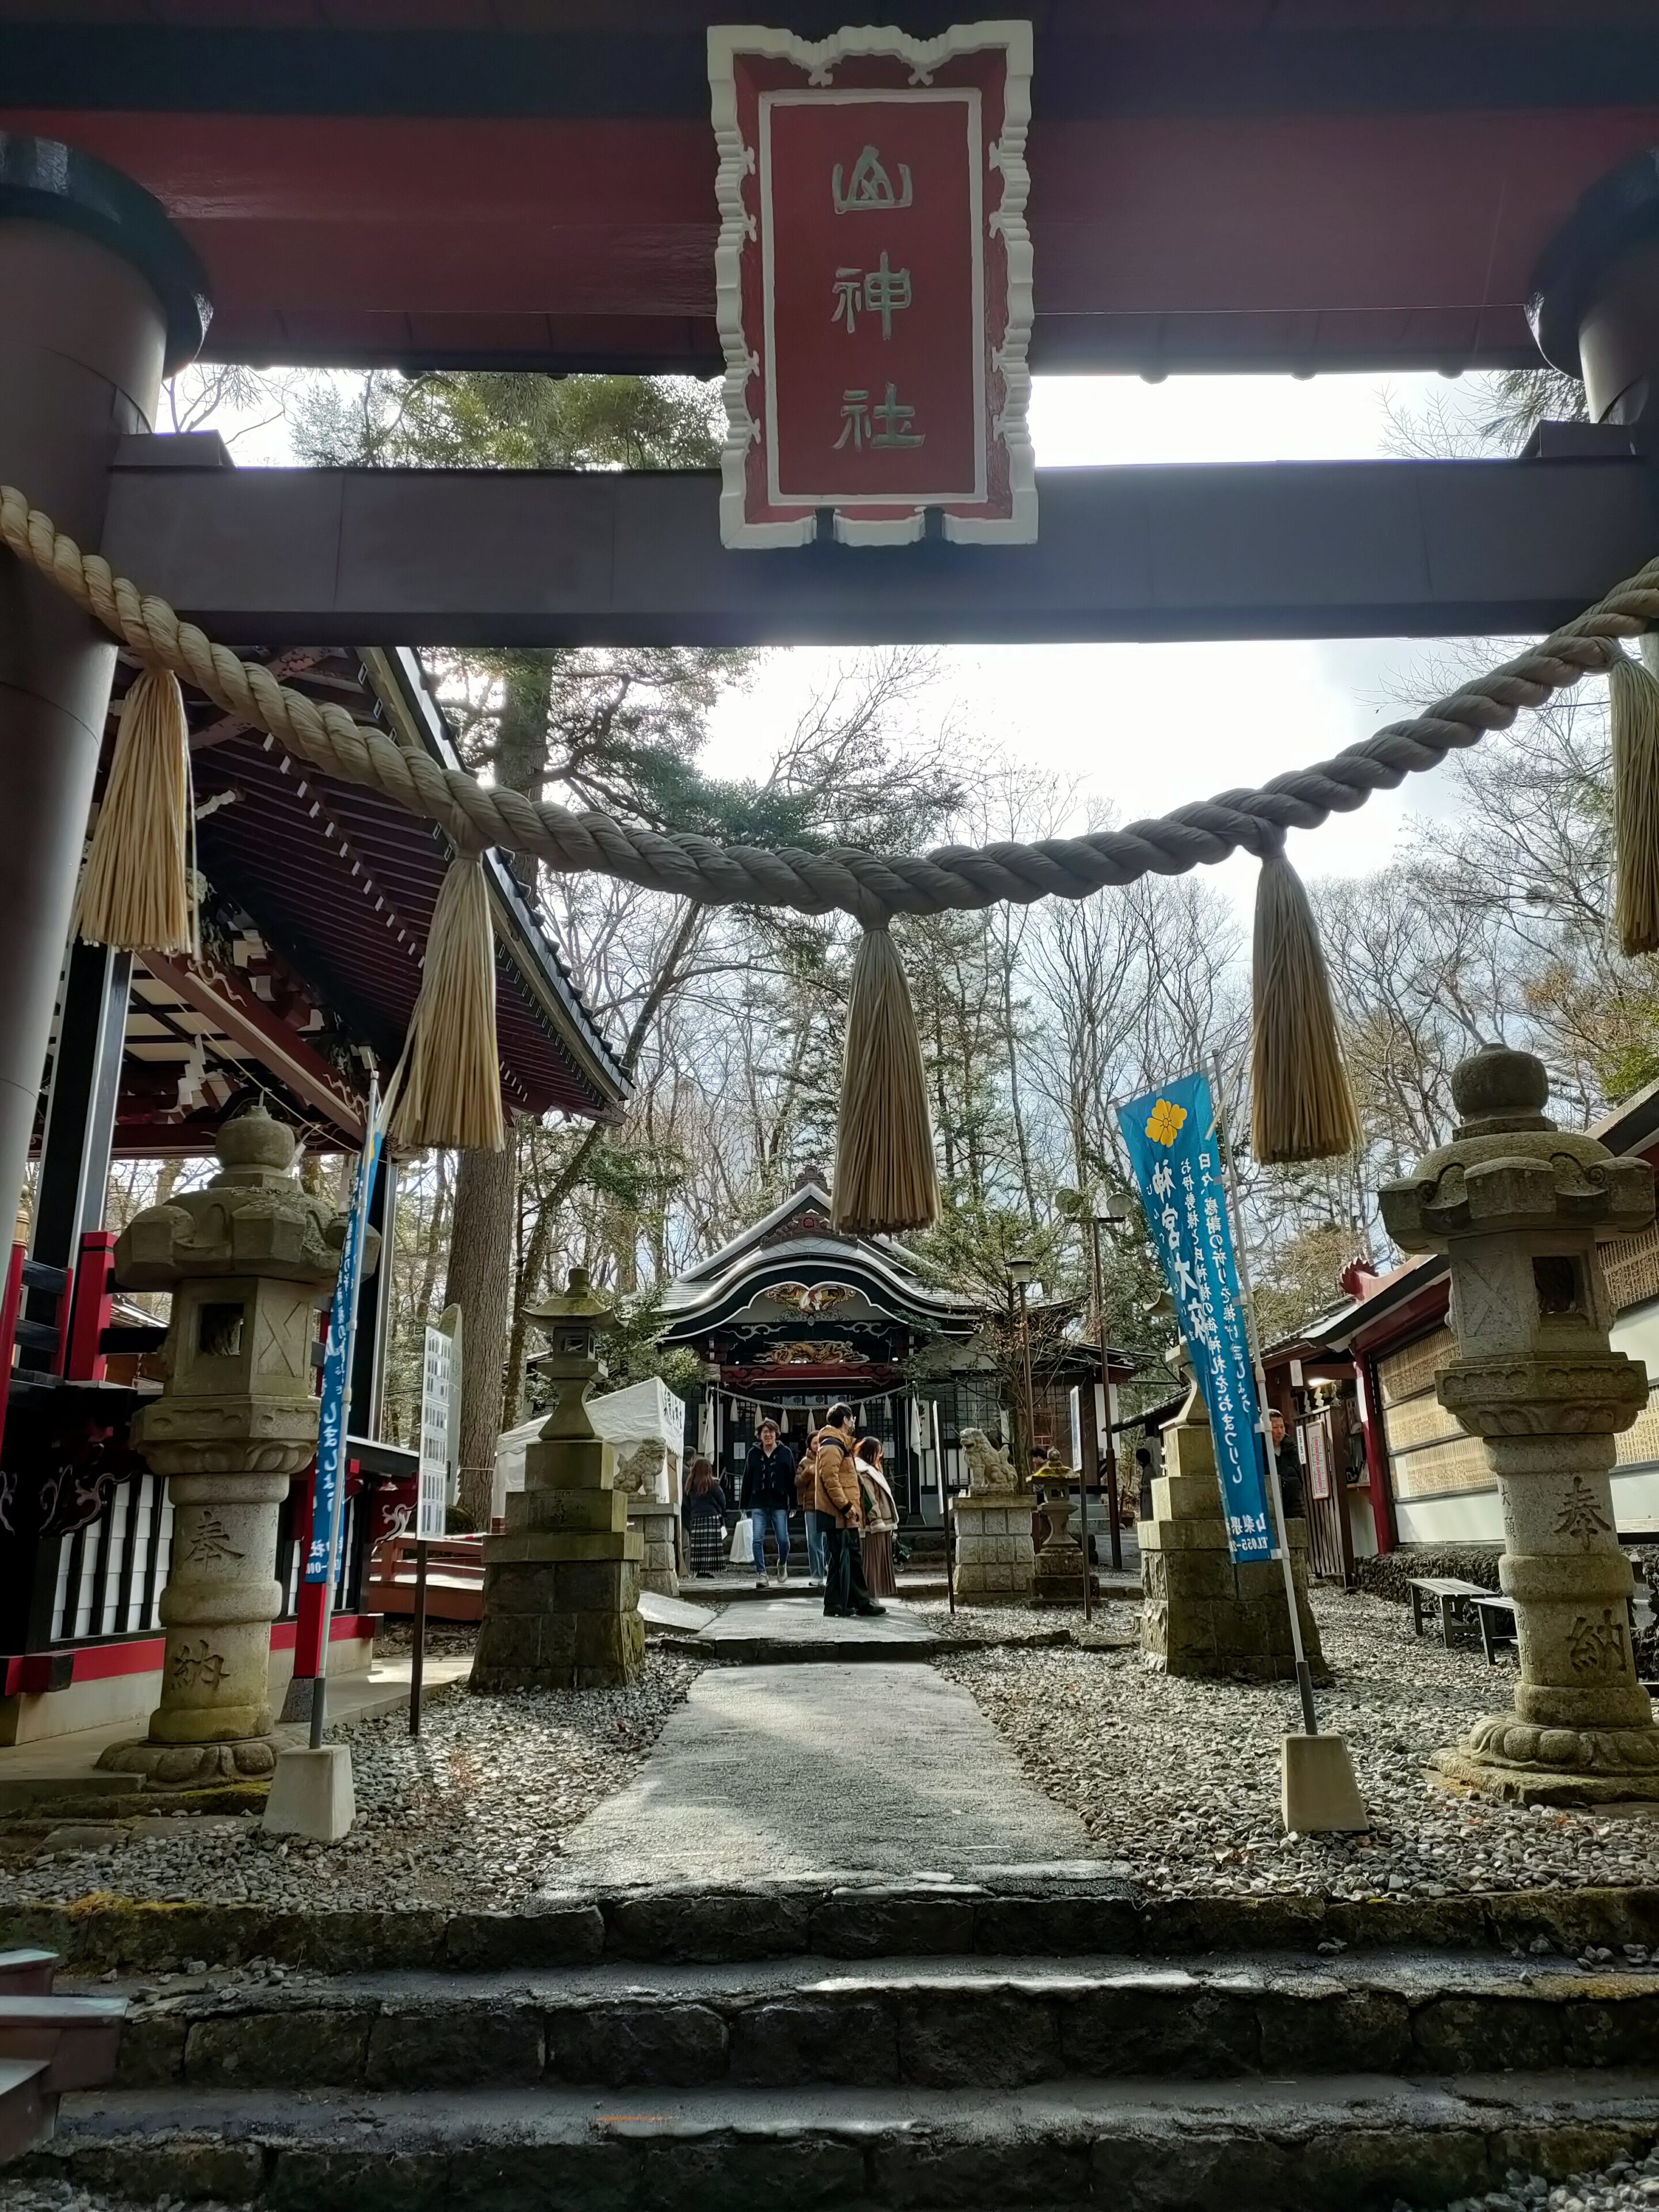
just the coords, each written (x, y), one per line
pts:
(420, 191)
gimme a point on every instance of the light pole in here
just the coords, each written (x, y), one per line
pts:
(1022, 1270)
(1097, 1213)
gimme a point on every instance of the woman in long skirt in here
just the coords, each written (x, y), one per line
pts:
(881, 1521)
(705, 1521)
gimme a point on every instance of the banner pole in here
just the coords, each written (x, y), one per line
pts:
(1303, 1673)
(368, 1161)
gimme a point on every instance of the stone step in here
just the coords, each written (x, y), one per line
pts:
(26, 1973)
(27, 2106)
(937, 2025)
(78, 2037)
(1055, 1912)
(1334, 2144)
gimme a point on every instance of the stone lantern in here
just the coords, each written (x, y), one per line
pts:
(1520, 1207)
(250, 1261)
(562, 1586)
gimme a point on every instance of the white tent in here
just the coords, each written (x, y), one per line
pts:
(645, 1424)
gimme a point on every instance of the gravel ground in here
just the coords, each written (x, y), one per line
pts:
(1178, 1780)
(1620, 2188)
(1623, 2184)
(471, 1815)
(984, 1623)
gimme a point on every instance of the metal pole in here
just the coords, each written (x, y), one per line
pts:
(417, 1665)
(1031, 1400)
(1105, 1451)
(944, 1513)
(320, 1694)
(1304, 1676)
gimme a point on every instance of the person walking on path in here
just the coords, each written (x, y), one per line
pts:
(880, 1522)
(818, 1524)
(836, 1493)
(705, 1521)
(767, 1494)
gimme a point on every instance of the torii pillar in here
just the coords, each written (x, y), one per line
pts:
(102, 298)
(1595, 308)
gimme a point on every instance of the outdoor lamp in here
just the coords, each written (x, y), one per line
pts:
(1021, 1268)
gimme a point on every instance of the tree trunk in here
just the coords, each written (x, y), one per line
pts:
(480, 1278)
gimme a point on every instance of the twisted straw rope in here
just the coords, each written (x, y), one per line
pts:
(869, 885)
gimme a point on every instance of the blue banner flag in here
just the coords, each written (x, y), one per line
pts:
(1175, 1152)
(336, 1371)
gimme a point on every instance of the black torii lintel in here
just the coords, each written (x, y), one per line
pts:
(473, 558)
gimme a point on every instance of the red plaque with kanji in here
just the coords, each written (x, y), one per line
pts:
(874, 283)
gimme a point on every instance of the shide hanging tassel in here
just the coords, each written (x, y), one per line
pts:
(452, 1091)
(885, 1178)
(1633, 694)
(137, 892)
(1301, 1107)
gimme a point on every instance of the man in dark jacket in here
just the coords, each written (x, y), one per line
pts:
(767, 1494)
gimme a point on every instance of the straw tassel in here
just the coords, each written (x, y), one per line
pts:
(451, 1093)
(135, 892)
(886, 1177)
(1301, 1107)
(1633, 696)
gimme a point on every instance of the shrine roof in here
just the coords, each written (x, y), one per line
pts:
(795, 1238)
(320, 896)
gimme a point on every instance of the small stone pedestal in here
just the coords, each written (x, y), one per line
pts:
(562, 1587)
(249, 1261)
(1519, 1208)
(995, 1563)
(1201, 1614)
(1058, 1579)
(657, 1525)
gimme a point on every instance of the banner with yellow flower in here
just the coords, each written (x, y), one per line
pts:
(1175, 1152)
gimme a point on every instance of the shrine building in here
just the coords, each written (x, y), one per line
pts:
(793, 1316)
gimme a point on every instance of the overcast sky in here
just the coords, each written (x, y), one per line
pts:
(1145, 727)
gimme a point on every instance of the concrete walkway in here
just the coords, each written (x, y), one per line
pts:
(790, 1771)
(800, 1622)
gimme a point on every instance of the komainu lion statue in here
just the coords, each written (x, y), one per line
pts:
(989, 1467)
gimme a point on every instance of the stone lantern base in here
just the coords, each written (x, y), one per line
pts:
(658, 1524)
(195, 1765)
(562, 1587)
(1201, 1614)
(995, 1563)
(1058, 1579)
(1600, 1769)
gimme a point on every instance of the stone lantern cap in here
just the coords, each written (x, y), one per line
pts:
(1510, 1169)
(253, 1218)
(581, 1302)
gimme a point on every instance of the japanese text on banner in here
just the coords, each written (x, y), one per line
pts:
(1175, 1152)
(337, 1365)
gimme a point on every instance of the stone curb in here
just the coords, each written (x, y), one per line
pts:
(1317, 2156)
(1039, 1917)
(914, 2032)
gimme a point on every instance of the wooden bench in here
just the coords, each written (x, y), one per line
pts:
(1496, 1615)
(1452, 1596)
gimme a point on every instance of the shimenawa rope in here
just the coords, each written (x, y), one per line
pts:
(1303, 1106)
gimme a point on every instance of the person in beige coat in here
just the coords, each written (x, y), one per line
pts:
(835, 1494)
(881, 1521)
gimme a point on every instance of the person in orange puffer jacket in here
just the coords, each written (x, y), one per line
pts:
(836, 1494)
